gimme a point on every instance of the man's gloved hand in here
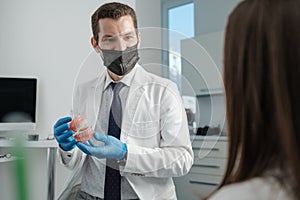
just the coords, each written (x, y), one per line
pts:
(112, 148)
(64, 136)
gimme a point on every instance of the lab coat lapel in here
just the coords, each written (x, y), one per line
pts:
(94, 101)
(134, 95)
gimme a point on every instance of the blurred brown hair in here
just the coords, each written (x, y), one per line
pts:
(262, 79)
(112, 10)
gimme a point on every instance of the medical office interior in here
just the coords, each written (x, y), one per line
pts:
(48, 42)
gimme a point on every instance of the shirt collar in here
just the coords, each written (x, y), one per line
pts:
(127, 79)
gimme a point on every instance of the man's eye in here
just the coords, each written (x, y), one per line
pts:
(108, 40)
(129, 37)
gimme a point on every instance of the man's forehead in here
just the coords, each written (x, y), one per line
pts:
(125, 20)
(110, 26)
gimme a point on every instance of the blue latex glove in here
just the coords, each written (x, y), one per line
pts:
(64, 136)
(112, 148)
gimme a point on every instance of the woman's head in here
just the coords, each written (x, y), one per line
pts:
(262, 77)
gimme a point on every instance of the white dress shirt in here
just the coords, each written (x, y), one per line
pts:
(93, 178)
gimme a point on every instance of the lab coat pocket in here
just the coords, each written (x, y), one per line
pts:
(146, 132)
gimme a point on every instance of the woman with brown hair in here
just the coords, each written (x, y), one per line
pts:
(262, 79)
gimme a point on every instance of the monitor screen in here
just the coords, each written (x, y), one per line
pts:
(18, 100)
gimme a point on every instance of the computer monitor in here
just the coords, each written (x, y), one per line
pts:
(18, 103)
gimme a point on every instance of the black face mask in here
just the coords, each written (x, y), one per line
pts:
(120, 62)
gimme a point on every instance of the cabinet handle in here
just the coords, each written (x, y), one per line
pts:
(6, 160)
(206, 149)
(203, 183)
(207, 166)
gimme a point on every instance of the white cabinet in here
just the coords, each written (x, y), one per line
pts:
(202, 63)
(7, 181)
(40, 174)
(210, 158)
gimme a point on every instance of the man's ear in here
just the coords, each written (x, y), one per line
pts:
(95, 45)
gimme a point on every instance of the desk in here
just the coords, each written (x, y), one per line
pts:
(51, 146)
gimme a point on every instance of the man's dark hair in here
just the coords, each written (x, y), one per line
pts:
(113, 10)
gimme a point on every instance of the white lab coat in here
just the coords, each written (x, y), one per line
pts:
(154, 127)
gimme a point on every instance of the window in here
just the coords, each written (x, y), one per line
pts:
(178, 18)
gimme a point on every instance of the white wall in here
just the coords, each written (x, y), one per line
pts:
(211, 15)
(203, 61)
(47, 39)
(149, 23)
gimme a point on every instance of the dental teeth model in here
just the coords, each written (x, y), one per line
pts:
(82, 130)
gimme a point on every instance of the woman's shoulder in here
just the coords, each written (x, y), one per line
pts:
(255, 188)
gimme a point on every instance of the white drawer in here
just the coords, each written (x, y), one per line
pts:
(217, 149)
(191, 189)
(200, 191)
(211, 169)
(213, 166)
(209, 153)
(204, 179)
(216, 162)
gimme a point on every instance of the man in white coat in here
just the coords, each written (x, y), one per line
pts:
(151, 142)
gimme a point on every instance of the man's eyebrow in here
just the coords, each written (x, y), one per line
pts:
(127, 33)
(107, 36)
(122, 34)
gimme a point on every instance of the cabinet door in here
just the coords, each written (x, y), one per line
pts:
(8, 181)
(195, 187)
(210, 166)
(203, 149)
(203, 61)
